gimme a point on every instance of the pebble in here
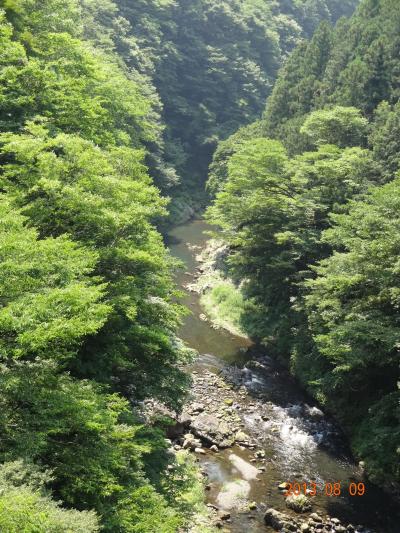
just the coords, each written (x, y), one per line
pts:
(199, 450)
(315, 517)
(211, 506)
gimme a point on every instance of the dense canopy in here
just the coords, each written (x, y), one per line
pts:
(307, 200)
(111, 112)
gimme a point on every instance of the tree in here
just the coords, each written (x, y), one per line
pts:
(384, 138)
(353, 311)
(342, 126)
(49, 303)
(272, 211)
(104, 199)
(88, 439)
(26, 505)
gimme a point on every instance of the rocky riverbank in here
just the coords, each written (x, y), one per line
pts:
(251, 428)
(214, 425)
(220, 298)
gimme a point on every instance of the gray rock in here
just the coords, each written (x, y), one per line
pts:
(278, 520)
(199, 450)
(197, 407)
(190, 442)
(212, 506)
(242, 437)
(212, 430)
(316, 517)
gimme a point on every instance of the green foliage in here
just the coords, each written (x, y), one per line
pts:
(225, 304)
(218, 172)
(354, 65)
(353, 309)
(104, 199)
(86, 290)
(273, 209)
(26, 506)
(59, 77)
(213, 76)
(214, 62)
(88, 311)
(377, 439)
(342, 126)
(384, 138)
(312, 223)
(298, 83)
(24, 510)
(89, 440)
(49, 302)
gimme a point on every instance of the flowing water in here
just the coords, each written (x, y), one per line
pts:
(300, 443)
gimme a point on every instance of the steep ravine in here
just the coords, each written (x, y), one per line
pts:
(252, 429)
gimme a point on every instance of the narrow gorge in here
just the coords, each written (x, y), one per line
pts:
(254, 430)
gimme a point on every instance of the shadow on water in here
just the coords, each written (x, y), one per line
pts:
(300, 442)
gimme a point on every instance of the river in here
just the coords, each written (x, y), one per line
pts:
(300, 442)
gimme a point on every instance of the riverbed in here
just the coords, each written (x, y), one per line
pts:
(292, 440)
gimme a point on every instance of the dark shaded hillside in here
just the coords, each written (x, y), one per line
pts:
(213, 64)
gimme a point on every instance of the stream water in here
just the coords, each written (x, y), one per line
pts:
(300, 442)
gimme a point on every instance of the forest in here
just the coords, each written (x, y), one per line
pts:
(122, 118)
(308, 201)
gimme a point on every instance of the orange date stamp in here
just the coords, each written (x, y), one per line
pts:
(327, 489)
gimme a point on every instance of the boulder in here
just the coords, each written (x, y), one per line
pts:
(278, 520)
(212, 430)
(197, 407)
(242, 437)
(199, 450)
(190, 442)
